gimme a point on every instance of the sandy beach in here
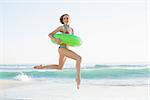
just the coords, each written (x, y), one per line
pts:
(5, 84)
(47, 90)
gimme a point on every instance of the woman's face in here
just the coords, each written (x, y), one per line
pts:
(66, 19)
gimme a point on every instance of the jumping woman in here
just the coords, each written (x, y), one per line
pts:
(63, 50)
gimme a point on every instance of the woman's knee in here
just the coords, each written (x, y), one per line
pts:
(79, 58)
(60, 67)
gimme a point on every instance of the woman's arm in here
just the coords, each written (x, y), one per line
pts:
(54, 32)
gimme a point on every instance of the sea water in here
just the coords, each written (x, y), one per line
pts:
(98, 82)
(96, 74)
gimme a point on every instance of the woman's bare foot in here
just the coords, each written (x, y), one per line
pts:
(39, 67)
(78, 82)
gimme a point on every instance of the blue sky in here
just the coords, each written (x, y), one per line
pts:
(112, 31)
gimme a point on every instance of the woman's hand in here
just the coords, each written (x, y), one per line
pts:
(57, 40)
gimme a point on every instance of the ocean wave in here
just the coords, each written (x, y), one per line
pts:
(86, 73)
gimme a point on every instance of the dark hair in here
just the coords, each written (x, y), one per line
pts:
(61, 18)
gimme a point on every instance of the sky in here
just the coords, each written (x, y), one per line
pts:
(112, 31)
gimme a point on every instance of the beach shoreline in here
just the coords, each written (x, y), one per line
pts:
(47, 90)
(6, 84)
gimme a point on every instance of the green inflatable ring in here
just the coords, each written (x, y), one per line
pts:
(69, 39)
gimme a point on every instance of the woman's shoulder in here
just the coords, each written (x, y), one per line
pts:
(60, 28)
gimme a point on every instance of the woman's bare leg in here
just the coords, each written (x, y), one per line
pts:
(73, 55)
(62, 60)
(68, 53)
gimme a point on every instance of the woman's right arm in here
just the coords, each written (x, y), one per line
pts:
(54, 32)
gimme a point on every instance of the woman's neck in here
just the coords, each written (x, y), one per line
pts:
(66, 25)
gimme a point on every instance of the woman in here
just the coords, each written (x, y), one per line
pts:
(63, 49)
